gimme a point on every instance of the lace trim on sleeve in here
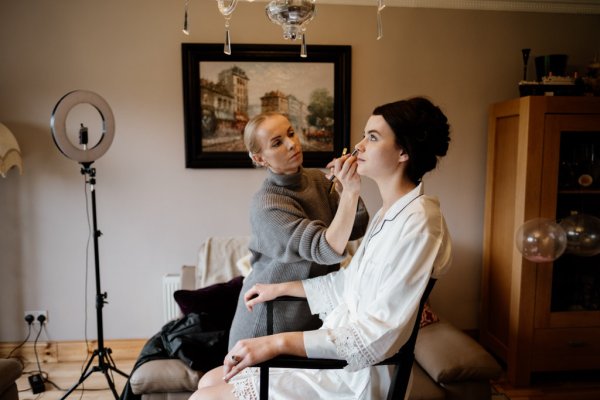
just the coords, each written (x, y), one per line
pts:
(319, 297)
(350, 347)
(244, 385)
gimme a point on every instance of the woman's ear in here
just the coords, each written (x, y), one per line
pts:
(259, 160)
(403, 157)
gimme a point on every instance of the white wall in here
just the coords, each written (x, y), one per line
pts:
(153, 211)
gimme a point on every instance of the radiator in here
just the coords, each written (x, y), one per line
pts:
(171, 283)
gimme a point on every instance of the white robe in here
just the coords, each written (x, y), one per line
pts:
(368, 309)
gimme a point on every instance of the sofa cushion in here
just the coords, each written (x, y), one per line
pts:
(422, 387)
(158, 376)
(448, 354)
(218, 301)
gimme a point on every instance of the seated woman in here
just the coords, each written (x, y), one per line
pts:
(300, 227)
(369, 308)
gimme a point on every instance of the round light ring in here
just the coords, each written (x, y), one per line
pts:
(58, 124)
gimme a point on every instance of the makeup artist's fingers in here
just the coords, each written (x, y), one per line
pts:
(330, 175)
(337, 164)
(348, 177)
(343, 157)
(343, 165)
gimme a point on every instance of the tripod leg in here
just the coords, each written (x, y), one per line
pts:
(84, 375)
(112, 365)
(111, 384)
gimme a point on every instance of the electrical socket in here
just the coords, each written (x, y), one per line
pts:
(36, 314)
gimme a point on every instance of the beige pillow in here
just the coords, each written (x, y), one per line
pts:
(159, 376)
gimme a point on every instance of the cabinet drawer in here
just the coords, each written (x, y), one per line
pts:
(565, 349)
(567, 341)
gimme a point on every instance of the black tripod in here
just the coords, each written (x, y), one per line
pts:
(105, 360)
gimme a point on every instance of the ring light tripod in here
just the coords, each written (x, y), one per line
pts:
(86, 156)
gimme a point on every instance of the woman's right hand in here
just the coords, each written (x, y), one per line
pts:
(260, 293)
(344, 170)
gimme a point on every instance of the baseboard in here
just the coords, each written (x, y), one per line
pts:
(66, 351)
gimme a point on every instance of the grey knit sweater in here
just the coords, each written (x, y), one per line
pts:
(289, 216)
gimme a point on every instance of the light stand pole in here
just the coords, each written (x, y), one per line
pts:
(105, 360)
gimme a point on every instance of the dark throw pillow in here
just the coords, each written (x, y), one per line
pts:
(218, 301)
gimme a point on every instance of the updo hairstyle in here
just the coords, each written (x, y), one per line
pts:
(421, 129)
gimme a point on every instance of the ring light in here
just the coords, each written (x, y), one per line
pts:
(58, 124)
(86, 156)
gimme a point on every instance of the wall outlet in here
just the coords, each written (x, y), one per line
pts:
(36, 314)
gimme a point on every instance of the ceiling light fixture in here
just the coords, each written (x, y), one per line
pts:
(292, 15)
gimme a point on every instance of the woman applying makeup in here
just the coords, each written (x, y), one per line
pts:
(300, 228)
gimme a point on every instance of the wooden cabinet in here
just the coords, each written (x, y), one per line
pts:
(544, 316)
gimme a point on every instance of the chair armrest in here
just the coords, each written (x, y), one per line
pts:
(448, 355)
(270, 310)
(286, 361)
(188, 277)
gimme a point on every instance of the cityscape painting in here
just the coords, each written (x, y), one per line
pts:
(221, 93)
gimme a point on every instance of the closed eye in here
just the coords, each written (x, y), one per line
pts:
(276, 142)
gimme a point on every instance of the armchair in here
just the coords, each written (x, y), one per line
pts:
(403, 360)
(10, 371)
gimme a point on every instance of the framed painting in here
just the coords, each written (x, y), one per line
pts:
(221, 93)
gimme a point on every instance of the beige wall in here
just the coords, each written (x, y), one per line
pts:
(153, 211)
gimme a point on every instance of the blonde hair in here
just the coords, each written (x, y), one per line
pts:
(252, 128)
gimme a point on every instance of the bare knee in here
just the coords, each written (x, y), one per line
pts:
(217, 392)
(213, 377)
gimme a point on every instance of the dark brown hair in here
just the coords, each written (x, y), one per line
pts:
(421, 129)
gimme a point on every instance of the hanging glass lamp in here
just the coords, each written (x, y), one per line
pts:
(293, 16)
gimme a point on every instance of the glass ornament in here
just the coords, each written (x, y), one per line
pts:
(226, 8)
(380, 7)
(541, 240)
(583, 234)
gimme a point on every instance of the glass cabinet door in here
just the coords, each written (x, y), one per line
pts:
(569, 289)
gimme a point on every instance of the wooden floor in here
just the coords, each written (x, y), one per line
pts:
(66, 374)
(565, 386)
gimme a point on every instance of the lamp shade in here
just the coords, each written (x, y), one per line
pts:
(10, 153)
